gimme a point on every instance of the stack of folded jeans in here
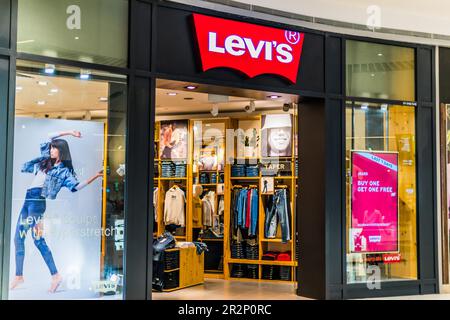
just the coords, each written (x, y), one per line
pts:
(285, 271)
(221, 178)
(237, 271)
(204, 178)
(237, 250)
(167, 169)
(171, 260)
(268, 271)
(251, 250)
(238, 170)
(171, 279)
(296, 168)
(252, 271)
(252, 171)
(213, 177)
(180, 170)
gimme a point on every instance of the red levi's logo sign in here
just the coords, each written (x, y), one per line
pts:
(392, 258)
(249, 48)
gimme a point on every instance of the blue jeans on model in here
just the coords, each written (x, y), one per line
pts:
(31, 214)
(278, 211)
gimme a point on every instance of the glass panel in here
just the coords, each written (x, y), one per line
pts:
(68, 189)
(381, 193)
(94, 31)
(380, 71)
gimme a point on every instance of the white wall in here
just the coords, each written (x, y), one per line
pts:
(430, 16)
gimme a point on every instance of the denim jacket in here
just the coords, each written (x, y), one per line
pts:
(56, 178)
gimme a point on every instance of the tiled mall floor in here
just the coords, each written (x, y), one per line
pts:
(216, 289)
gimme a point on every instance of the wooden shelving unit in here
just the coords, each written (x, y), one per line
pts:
(193, 177)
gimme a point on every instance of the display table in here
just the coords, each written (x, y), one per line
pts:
(183, 267)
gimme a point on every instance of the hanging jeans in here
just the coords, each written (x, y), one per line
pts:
(278, 211)
(254, 212)
(30, 216)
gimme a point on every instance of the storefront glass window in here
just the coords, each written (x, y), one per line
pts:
(94, 31)
(67, 219)
(380, 71)
(381, 193)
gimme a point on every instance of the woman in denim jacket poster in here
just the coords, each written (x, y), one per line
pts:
(52, 171)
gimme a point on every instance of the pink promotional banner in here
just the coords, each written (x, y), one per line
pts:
(374, 214)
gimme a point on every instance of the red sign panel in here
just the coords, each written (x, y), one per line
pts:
(374, 220)
(249, 48)
(392, 258)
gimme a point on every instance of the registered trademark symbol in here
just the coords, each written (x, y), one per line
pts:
(293, 37)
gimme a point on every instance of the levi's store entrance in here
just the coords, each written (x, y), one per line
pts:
(225, 192)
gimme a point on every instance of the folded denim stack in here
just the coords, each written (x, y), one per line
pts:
(213, 177)
(268, 271)
(237, 250)
(252, 171)
(204, 178)
(238, 170)
(221, 178)
(180, 170)
(285, 271)
(171, 279)
(296, 168)
(237, 271)
(167, 169)
(252, 271)
(251, 250)
(171, 260)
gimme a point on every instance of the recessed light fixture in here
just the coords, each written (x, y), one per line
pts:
(172, 94)
(103, 99)
(85, 74)
(191, 87)
(274, 96)
(380, 54)
(54, 90)
(40, 102)
(372, 75)
(19, 88)
(77, 38)
(49, 68)
(42, 83)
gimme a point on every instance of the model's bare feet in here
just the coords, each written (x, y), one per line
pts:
(18, 280)
(56, 281)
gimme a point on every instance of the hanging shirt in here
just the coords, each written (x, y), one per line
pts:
(155, 202)
(207, 212)
(197, 210)
(174, 207)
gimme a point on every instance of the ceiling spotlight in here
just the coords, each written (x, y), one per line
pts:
(42, 83)
(172, 94)
(191, 87)
(380, 54)
(40, 102)
(274, 96)
(287, 107)
(54, 90)
(49, 68)
(103, 99)
(85, 74)
(215, 110)
(19, 88)
(251, 107)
